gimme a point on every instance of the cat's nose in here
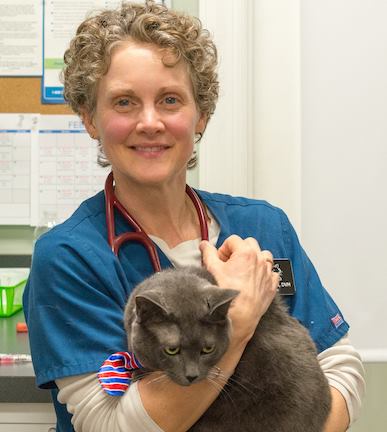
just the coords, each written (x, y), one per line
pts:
(191, 378)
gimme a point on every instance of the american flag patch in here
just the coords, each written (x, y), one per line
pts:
(337, 320)
(115, 374)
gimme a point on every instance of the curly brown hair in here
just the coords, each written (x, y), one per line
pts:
(88, 57)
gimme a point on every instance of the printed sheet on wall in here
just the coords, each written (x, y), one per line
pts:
(48, 166)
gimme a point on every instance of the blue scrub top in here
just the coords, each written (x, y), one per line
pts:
(77, 289)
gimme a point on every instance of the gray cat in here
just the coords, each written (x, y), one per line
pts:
(176, 322)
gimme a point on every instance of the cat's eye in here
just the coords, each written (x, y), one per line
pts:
(172, 350)
(208, 349)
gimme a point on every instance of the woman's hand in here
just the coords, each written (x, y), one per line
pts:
(241, 264)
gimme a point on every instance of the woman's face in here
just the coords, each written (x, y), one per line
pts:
(146, 117)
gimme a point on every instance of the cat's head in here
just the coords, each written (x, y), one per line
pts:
(179, 324)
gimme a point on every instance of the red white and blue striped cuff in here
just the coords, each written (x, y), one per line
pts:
(115, 374)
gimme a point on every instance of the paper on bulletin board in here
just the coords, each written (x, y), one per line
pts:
(21, 37)
(61, 19)
(18, 135)
(65, 169)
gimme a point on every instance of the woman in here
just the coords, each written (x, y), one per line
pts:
(143, 79)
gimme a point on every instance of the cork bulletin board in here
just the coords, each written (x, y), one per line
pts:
(23, 95)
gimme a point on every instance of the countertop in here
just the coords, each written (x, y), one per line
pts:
(17, 381)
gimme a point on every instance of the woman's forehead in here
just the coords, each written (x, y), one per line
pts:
(142, 63)
(163, 54)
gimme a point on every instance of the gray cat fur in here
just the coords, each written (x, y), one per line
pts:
(278, 385)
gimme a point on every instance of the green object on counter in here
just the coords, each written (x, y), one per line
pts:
(11, 299)
(12, 283)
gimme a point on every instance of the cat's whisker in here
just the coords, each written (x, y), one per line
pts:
(220, 381)
(158, 379)
(218, 388)
(222, 389)
(240, 384)
(214, 384)
(141, 375)
(219, 376)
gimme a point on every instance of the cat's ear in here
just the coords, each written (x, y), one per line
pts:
(219, 301)
(148, 306)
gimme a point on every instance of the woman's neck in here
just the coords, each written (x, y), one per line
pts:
(165, 211)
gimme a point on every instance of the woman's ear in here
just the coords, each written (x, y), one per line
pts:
(201, 124)
(87, 120)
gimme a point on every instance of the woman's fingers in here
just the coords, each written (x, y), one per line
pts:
(235, 248)
(230, 246)
(211, 260)
(266, 256)
(208, 251)
(241, 264)
(238, 260)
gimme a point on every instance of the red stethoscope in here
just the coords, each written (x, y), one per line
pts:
(139, 235)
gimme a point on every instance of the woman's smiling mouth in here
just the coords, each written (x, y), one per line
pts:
(150, 151)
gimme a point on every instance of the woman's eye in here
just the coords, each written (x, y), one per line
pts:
(208, 349)
(123, 102)
(170, 100)
(172, 350)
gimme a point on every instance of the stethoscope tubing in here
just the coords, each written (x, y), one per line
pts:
(139, 235)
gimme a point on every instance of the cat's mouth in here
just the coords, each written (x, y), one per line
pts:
(185, 380)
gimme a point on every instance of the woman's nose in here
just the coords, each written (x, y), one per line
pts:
(149, 121)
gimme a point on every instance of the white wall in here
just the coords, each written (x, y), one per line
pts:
(302, 122)
(252, 144)
(225, 161)
(344, 158)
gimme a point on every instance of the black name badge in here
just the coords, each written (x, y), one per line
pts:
(283, 267)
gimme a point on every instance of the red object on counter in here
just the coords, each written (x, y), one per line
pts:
(21, 327)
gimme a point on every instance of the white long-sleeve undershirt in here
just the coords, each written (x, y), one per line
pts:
(95, 411)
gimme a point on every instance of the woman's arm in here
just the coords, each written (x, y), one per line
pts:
(338, 420)
(82, 394)
(93, 410)
(162, 406)
(238, 264)
(344, 370)
(175, 408)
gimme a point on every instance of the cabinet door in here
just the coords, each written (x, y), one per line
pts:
(23, 417)
(23, 427)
